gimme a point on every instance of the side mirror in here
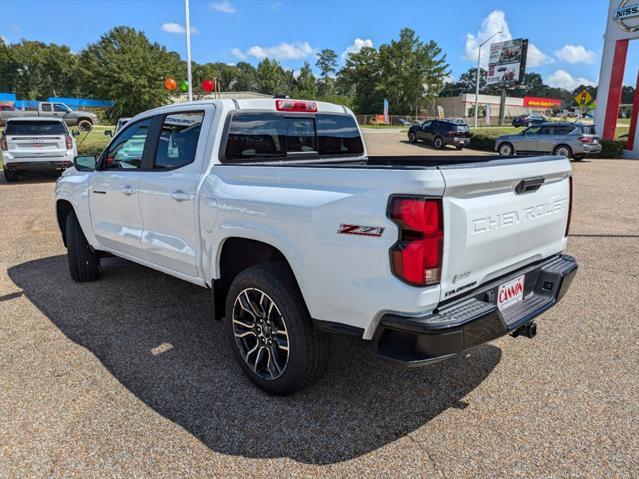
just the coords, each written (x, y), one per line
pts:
(108, 133)
(85, 163)
(75, 132)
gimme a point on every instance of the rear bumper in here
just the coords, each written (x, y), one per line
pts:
(48, 165)
(473, 319)
(461, 141)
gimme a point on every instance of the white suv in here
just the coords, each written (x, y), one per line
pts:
(30, 144)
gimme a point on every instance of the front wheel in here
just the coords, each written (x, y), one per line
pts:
(412, 138)
(506, 149)
(270, 330)
(84, 263)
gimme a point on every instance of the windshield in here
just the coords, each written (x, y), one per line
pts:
(25, 127)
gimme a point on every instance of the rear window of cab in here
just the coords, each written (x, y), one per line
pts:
(34, 128)
(271, 136)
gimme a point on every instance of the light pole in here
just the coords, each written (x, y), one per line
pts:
(477, 73)
(188, 49)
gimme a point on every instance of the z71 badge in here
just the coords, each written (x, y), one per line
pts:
(375, 231)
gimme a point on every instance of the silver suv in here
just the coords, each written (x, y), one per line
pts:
(572, 140)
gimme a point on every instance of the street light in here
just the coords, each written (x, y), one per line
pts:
(477, 73)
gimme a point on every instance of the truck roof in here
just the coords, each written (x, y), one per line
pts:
(251, 104)
(34, 118)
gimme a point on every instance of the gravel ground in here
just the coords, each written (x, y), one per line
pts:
(130, 377)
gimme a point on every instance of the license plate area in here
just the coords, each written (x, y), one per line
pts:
(510, 293)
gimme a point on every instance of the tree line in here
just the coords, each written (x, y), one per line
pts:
(126, 67)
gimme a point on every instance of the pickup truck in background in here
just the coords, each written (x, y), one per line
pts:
(275, 206)
(84, 120)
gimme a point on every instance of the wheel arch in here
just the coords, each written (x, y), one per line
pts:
(237, 254)
(62, 209)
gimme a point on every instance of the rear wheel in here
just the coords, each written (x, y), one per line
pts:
(562, 150)
(270, 330)
(506, 149)
(412, 138)
(85, 125)
(438, 143)
(84, 263)
(10, 176)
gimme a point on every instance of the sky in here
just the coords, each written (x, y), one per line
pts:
(566, 36)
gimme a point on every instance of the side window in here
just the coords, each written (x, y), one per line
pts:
(564, 130)
(426, 124)
(533, 130)
(46, 107)
(546, 130)
(128, 147)
(59, 107)
(178, 140)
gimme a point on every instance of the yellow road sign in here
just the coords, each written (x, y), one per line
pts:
(583, 98)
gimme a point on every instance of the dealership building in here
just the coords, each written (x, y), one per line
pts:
(462, 106)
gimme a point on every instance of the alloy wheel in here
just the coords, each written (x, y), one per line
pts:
(260, 333)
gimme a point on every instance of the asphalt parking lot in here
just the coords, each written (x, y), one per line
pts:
(129, 376)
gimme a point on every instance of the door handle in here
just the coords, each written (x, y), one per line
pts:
(129, 190)
(180, 196)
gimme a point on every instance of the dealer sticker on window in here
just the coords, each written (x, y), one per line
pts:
(510, 293)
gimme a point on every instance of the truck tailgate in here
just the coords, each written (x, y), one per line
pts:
(500, 217)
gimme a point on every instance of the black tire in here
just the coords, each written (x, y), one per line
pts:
(562, 150)
(84, 263)
(307, 348)
(85, 125)
(438, 143)
(412, 138)
(506, 149)
(10, 176)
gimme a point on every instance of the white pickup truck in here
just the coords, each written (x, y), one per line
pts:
(275, 206)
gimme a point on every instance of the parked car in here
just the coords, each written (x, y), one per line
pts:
(528, 120)
(572, 140)
(275, 206)
(441, 133)
(30, 144)
(83, 119)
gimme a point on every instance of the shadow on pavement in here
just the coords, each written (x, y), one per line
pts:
(154, 334)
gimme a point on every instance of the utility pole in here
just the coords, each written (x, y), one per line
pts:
(188, 50)
(478, 73)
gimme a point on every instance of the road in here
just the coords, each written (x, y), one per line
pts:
(130, 377)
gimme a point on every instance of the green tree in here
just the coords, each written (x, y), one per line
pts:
(305, 84)
(327, 64)
(361, 79)
(246, 78)
(126, 67)
(271, 77)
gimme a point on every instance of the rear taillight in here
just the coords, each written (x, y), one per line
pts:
(296, 105)
(586, 139)
(416, 258)
(69, 141)
(3, 143)
(569, 205)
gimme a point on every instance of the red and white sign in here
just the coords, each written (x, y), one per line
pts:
(510, 293)
(535, 102)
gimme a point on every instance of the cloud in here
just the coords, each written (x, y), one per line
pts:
(563, 79)
(238, 53)
(357, 45)
(536, 57)
(493, 23)
(576, 54)
(283, 51)
(171, 27)
(224, 6)
(4, 39)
